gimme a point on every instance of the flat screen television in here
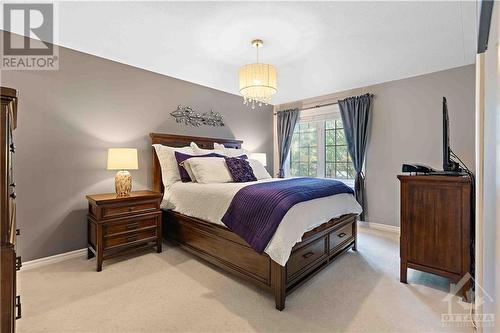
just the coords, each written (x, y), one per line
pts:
(448, 163)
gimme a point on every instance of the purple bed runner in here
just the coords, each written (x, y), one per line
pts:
(257, 210)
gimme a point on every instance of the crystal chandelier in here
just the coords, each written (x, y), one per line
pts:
(257, 81)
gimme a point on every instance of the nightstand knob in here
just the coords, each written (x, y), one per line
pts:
(131, 209)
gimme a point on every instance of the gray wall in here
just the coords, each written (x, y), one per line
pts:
(406, 128)
(70, 117)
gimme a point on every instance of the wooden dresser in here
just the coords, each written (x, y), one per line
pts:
(119, 224)
(436, 225)
(10, 303)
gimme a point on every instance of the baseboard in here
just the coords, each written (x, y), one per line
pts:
(53, 259)
(379, 226)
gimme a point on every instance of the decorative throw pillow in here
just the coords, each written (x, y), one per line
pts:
(240, 170)
(181, 157)
(259, 170)
(207, 170)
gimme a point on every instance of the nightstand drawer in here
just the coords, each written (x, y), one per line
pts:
(112, 241)
(128, 208)
(130, 226)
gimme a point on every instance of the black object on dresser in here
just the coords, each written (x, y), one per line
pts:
(119, 224)
(436, 226)
(10, 306)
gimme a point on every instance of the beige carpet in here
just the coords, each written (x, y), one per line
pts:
(172, 291)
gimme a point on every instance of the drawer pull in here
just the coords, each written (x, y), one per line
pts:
(131, 238)
(19, 263)
(131, 209)
(132, 226)
(342, 234)
(308, 254)
(18, 307)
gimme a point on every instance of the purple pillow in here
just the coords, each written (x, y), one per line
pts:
(180, 157)
(240, 170)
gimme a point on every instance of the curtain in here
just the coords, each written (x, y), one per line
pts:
(355, 113)
(286, 124)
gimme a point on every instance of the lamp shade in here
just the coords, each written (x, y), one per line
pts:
(122, 159)
(258, 82)
(261, 157)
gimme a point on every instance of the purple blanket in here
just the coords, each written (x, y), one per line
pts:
(257, 210)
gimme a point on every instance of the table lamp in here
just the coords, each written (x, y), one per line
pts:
(122, 159)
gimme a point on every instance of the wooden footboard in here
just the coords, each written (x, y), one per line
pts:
(221, 247)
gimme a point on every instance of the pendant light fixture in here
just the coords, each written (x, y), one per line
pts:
(257, 81)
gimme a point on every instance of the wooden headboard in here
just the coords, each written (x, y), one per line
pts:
(173, 140)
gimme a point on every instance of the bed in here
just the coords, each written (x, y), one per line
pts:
(219, 246)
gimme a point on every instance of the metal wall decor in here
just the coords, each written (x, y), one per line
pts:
(186, 115)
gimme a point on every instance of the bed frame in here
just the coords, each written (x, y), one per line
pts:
(226, 250)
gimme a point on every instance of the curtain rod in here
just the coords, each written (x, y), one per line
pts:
(318, 106)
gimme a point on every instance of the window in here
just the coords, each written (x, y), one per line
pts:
(338, 162)
(304, 150)
(319, 147)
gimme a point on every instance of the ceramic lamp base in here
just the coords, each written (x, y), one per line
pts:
(123, 183)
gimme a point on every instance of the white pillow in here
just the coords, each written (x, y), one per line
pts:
(209, 170)
(168, 163)
(259, 170)
(218, 146)
(229, 152)
(200, 151)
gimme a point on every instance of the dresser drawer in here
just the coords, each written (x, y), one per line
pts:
(305, 256)
(129, 226)
(339, 236)
(128, 208)
(112, 241)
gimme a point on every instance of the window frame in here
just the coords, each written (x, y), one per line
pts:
(319, 116)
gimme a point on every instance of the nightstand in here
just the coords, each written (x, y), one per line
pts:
(119, 224)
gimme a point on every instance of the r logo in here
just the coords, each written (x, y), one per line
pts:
(37, 22)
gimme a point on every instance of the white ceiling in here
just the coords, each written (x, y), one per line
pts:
(317, 47)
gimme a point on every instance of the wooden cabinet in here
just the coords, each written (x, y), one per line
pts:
(118, 224)
(436, 225)
(10, 307)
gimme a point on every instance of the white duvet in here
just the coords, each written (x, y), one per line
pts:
(209, 202)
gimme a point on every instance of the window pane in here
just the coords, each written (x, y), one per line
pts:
(304, 150)
(330, 154)
(313, 154)
(303, 169)
(329, 137)
(341, 170)
(341, 154)
(339, 137)
(304, 154)
(329, 124)
(294, 169)
(313, 170)
(338, 123)
(330, 170)
(351, 173)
